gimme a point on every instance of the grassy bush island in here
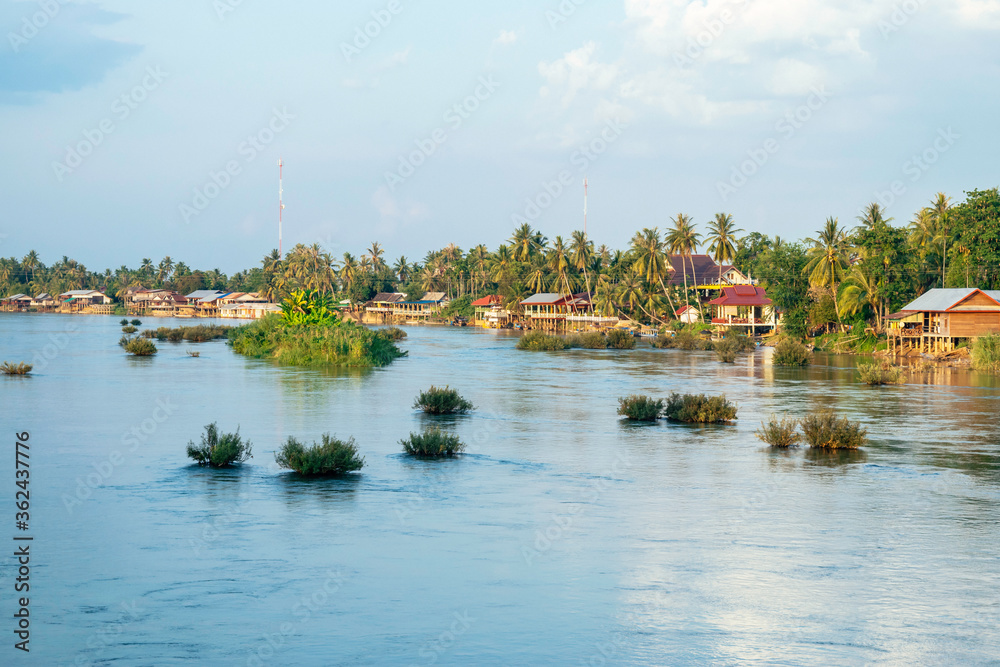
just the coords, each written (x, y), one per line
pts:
(442, 401)
(432, 443)
(640, 408)
(699, 409)
(330, 457)
(220, 450)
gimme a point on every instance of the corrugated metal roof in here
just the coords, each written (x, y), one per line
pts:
(433, 296)
(939, 299)
(544, 298)
(202, 294)
(490, 300)
(741, 295)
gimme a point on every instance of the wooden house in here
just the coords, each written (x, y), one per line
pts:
(427, 307)
(552, 311)
(379, 309)
(16, 303)
(43, 302)
(745, 308)
(85, 300)
(939, 318)
(704, 275)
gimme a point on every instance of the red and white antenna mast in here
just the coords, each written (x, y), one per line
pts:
(281, 205)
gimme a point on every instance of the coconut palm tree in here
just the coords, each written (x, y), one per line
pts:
(375, 252)
(861, 289)
(502, 265)
(348, 271)
(164, 270)
(581, 251)
(402, 269)
(559, 263)
(828, 257)
(683, 240)
(31, 262)
(649, 259)
(941, 211)
(526, 242)
(722, 239)
(873, 217)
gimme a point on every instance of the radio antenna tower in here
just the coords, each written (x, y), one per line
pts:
(281, 205)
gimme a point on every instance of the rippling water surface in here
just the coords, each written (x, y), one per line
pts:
(563, 537)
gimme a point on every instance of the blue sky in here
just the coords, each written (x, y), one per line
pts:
(780, 113)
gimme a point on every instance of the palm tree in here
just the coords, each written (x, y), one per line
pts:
(348, 270)
(146, 268)
(537, 275)
(630, 290)
(30, 263)
(722, 237)
(402, 269)
(683, 240)
(873, 217)
(526, 242)
(375, 251)
(828, 257)
(501, 265)
(560, 265)
(164, 270)
(861, 289)
(649, 259)
(941, 211)
(479, 257)
(581, 251)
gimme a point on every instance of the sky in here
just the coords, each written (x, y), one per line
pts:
(144, 129)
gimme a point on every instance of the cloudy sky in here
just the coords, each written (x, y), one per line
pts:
(141, 129)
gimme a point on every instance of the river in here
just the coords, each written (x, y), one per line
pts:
(563, 536)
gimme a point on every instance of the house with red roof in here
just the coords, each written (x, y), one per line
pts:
(490, 313)
(745, 307)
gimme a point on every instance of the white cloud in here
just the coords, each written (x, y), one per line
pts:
(984, 14)
(574, 72)
(506, 37)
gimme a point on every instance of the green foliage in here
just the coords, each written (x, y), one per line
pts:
(726, 350)
(592, 340)
(640, 408)
(986, 353)
(619, 339)
(699, 408)
(327, 458)
(135, 323)
(129, 329)
(791, 352)
(136, 346)
(687, 340)
(21, 368)
(195, 334)
(442, 401)
(779, 432)
(541, 341)
(823, 312)
(825, 430)
(460, 307)
(880, 372)
(309, 308)
(344, 344)
(794, 323)
(976, 227)
(663, 341)
(394, 334)
(432, 443)
(781, 272)
(219, 450)
(124, 323)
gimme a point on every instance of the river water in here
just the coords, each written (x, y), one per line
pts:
(563, 536)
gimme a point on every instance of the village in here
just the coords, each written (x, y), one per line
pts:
(935, 323)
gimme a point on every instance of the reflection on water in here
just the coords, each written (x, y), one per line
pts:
(570, 536)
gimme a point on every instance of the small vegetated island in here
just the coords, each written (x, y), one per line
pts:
(310, 332)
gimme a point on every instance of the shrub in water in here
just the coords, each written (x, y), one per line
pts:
(826, 431)
(541, 341)
(640, 408)
(742, 342)
(664, 341)
(21, 368)
(442, 401)
(124, 323)
(129, 329)
(136, 323)
(790, 352)
(619, 339)
(725, 350)
(219, 450)
(699, 408)
(432, 443)
(986, 353)
(592, 340)
(880, 372)
(139, 347)
(329, 457)
(392, 333)
(779, 432)
(687, 340)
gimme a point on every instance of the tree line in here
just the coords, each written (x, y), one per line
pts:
(843, 274)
